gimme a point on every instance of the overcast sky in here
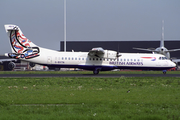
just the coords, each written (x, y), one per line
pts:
(42, 21)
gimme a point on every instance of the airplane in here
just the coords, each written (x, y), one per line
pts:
(7, 60)
(11, 64)
(161, 50)
(95, 60)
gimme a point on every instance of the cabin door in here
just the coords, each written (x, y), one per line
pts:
(49, 60)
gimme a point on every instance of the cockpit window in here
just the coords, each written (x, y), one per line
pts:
(162, 58)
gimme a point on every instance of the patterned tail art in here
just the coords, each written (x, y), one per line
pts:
(22, 47)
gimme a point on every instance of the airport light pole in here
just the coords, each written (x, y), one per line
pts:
(64, 25)
(162, 37)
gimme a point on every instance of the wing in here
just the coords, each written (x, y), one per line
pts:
(172, 50)
(96, 52)
(144, 49)
(176, 60)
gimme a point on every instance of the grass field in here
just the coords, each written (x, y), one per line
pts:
(90, 98)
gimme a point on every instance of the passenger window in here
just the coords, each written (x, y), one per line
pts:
(62, 58)
(159, 58)
(72, 58)
(124, 59)
(69, 58)
(96, 58)
(89, 58)
(75, 58)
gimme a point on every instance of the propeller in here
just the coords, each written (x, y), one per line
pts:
(117, 53)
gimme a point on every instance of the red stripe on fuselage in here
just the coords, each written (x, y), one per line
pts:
(147, 57)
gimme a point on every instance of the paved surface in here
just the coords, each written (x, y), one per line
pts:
(89, 75)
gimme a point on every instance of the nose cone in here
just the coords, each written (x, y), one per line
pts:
(173, 64)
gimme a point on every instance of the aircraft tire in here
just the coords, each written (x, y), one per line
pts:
(96, 72)
(32, 64)
(11, 65)
(164, 72)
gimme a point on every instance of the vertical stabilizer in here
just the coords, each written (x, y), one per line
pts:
(20, 45)
(17, 39)
(162, 37)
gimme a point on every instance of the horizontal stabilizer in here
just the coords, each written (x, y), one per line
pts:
(10, 27)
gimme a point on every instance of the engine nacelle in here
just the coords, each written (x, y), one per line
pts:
(100, 52)
(111, 54)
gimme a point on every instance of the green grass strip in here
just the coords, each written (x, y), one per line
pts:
(90, 98)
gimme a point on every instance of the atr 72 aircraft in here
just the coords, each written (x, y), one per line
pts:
(162, 50)
(96, 59)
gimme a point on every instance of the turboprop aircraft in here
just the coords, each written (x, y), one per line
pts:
(96, 59)
(11, 64)
(161, 50)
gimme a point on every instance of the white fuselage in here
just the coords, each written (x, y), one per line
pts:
(82, 60)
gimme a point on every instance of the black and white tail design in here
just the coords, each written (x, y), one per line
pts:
(20, 45)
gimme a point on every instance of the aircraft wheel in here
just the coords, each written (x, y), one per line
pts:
(96, 72)
(164, 72)
(32, 64)
(11, 65)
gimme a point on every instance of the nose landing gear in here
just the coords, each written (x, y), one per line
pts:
(164, 72)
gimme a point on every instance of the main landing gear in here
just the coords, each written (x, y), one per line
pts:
(96, 71)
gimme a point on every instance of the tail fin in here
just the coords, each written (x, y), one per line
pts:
(20, 45)
(162, 37)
